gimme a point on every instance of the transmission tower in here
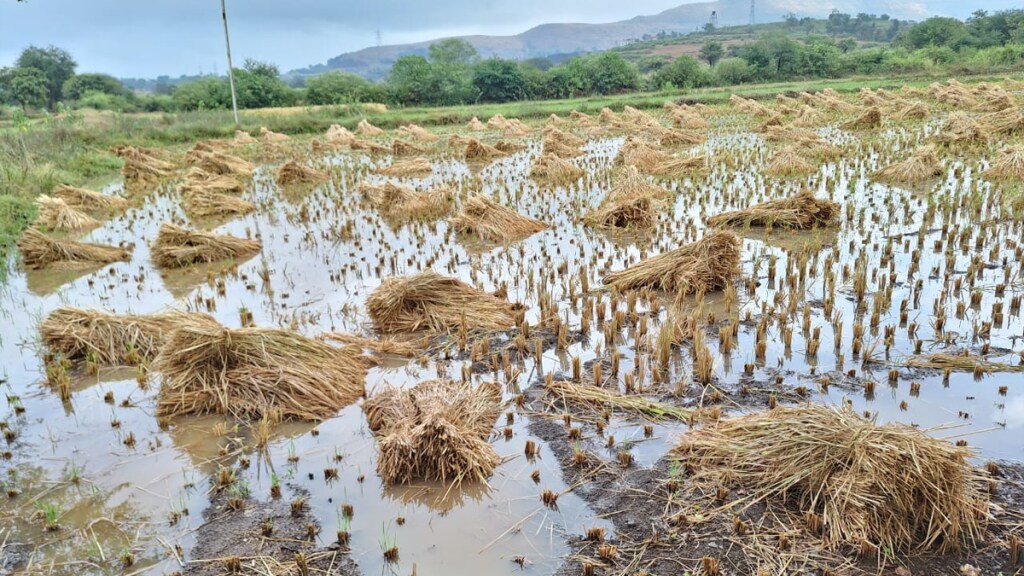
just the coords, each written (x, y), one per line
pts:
(378, 38)
(714, 18)
(751, 12)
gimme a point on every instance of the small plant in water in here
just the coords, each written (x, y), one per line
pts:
(50, 513)
(388, 545)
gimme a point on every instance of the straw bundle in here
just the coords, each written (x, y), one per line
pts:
(497, 122)
(475, 125)
(552, 134)
(959, 128)
(632, 184)
(87, 199)
(639, 118)
(366, 129)
(802, 211)
(680, 166)
(39, 251)
(339, 134)
(637, 212)
(633, 404)
(775, 121)
(112, 339)
(867, 121)
(890, 485)
(430, 301)
(269, 136)
(387, 346)
(817, 149)
(292, 172)
(789, 162)
(752, 107)
(996, 100)
(516, 127)
(141, 165)
(176, 247)
(508, 147)
(371, 147)
(607, 116)
(682, 137)
(1009, 121)
(635, 152)
(436, 431)
(242, 137)
(493, 222)
(216, 162)
(477, 150)
(255, 371)
(705, 265)
(1009, 166)
(921, 166)
(401, 147)
(55, 214)
(685, 119)
(408, 168)
(418, 132)
(556, 169)
(319, 146)
(402, 202)
(914, 111)
(554, 120)
(199, 180)
(559, 149)
(201, 202)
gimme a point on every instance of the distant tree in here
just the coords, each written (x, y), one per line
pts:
(336, 88)
(684, 72)
(541, 63)
(611, 74)
(712, 52)
(451, 62)
(258, 85)
(937, 31)
(202, 94)
(452, 51)
(56, 64)
(410, 80)
(649, 64)
(25, 87)
(498, 80)
(76, 86)
(709, 28)
(732, 71)
(846, 45)
(569, 79)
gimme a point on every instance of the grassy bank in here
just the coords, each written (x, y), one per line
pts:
(73, 149)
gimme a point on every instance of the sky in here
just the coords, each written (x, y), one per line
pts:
(146, 38)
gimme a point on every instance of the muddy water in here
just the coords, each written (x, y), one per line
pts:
(123, 484)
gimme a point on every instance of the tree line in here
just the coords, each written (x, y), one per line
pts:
(453, 73)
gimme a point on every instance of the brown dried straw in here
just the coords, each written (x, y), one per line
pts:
(921, 166)
(703, 266)
(292, 172)
(485, 218)
(200, 202)
(87, 199)
(404, 203)
(801, 211)
(55, 214)
(408, 168)
(555, 169)
(40, 251)
(1009, 166)
(176, 247)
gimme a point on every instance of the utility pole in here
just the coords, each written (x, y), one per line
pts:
(378, 37)
(751, 12)
(231, 73)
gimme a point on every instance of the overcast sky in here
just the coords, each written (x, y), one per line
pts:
(145, 38)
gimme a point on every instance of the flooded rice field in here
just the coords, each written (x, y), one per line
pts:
(905, 307)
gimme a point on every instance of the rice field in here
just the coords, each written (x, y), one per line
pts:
(455, 349)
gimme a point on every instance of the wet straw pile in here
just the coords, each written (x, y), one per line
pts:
(293, 172)
(802, 211)
(256, 371)
(142, 166)
(556, 169)
(436, 431)
(112, 339)
(430, 301)
(40, 251)
(176, 247)
(922, 165)
(87, 199)
(706, 265)
(403, 203)
(55, 214)
(408, 168)
(493, 222)
(888, 487)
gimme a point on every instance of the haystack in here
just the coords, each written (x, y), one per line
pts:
(477, 150)
(706, 265)
(1009, 121)
(516, 127)
(371, 147)
(497, 122)
(251, 372)
(292, 172)
(401, 147)
(87, 199)
(242, 137)
(508, 147)
(752, 107)
(636, 152)
(199, 180)
(339, 134)
(789, 162)
(402, 202)
(142, 166)
(176, 247)
(436, 431)
(559, 149)
(430, 301)
(475, 125)
(867, 121)
(682, 137)
(681, 166)
(802, 211)
(685, 119)
(216, 162)
(493, 222)
(607, 116)
(630, 184)
(40, 251)
(269, 136)
(418, 132)
(55, 214)
(554, 120)
(892, 486)
(408, 168)
(556, 169)
(921, 166)
(1009, 166)
(202, 202)
(112, 339)
(960, 128)
(636, 212)
(550, 133)
(366, 129)
(914, 111)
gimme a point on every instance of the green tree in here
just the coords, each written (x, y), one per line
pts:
(56, 64)
(258, 85)
(937, 31)
(202, 94)
(712, 52)
(25, 87)
(569, 79)
(451, 67)
(732, 71)
(499, 80)
(336, 88)
(611, 74)
(410, 80)
(76, 86)
(683, 72)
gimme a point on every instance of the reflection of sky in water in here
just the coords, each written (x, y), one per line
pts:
(1013, 413)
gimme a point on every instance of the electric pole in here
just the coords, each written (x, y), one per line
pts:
(751, 12)
(231, 73)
